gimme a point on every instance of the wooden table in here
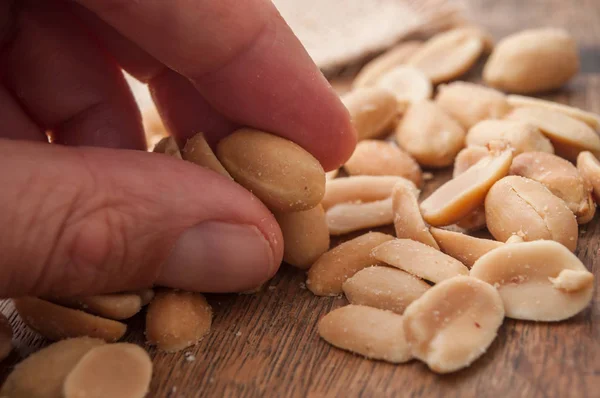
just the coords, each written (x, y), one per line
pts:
(267, 344)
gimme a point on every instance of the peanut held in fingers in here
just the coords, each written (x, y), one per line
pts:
(538, 281)
(453, 323)
(408, 84)
(371, 332)
(384, 288)
(197, 151)
(373, 110)
(116, 306)
(408, 221)
(279, 172)
(465, 248)
(348, 217)
(6, 334)
(521, 136)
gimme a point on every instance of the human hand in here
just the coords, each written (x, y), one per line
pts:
(79, 220)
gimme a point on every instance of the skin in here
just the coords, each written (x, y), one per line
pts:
(98, 214)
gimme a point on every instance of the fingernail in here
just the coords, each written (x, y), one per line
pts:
(219, 257)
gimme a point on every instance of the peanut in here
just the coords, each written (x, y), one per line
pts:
(408, 84)
(6, 334)
(453, 323)
(371, 332)
(197, 151)
(279, 172)
(531, 281)
(589, 167)
(466, 249)
(518, 205)
(464, 160)
(348, 217)
(384, 288)
(419, 259)
(392, 58)
(115, 306)
(373, 110)
(333, 268)
(168, 146)
(591, 119)
(521, 136)
(408, 221)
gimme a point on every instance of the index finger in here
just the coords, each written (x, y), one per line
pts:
(245, 60)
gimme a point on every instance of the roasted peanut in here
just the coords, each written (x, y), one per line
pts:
(279, 172)
(348, 217)
(465, 193)
(197, 151)
(589, 167)
(467, 158)
(560, 177)
(333, 268)
(384, 288)
(532, 60)
(470, 103)
(466, 249)
(380, 158)
(591, 119)
(408, 221)
(176, 319)
(521, 136)
(419, 259)
(387, 61)
(42, 375)
(538, 281)
(371, 332)
(6, 334)
(430, 135)
(56, 322)
(360, 189)
(115, 370)
(305, 236)
(373, 110)
(453, 323)
(518, 205)
(408, 84)
(116, 306)
(168, 146)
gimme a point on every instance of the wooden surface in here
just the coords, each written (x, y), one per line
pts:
(267, 344)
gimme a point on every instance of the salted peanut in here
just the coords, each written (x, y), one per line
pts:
(197, 150)
(373, 110)
(532, 61)
(430, 135)
(6, 334)
(114, 306)
(529, 277)
(387, 61)
(360, 189)
(330, 175)
(176, 319)
(279, 172)
(384, 288)
(515, 238)
(460, 196)
(43, 373)
(408, 84)
(419, 259)
(371, 332)
(569, 136)
(305, 236)
(559, 176)
(589, 118)
(453, 323)
(465, 248)
(449, 55)
(333, 268)
(146, 295)
(348, 217)
(56, 322)
(521, 136)
(468, 157)
(116, 370)
(408, 221)
(168, 146)
(470, 103)
(589, 167)
(381, 158)
(518, 205)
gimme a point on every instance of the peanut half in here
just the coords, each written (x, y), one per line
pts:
(465, 248)
(371, 332)
(408, 84)
(408, 221)
(384, 288)
(279, 172)
(471, 103)
(116, 306)
(538, 281)
(373, 110)
(348, 217)
(115, 370)
(430, 135)
(560, 177)
(42, 375)
(380, 158)
(197, 151)
(419, 259)
(532, 61)
(465, 193)
(305, 236)
(521, 136)
(6, 335)
(333, 268)
(589, 167)
(176, 319)
(56, 322)
(589, 118)
(518, 205)
(453, 323)
(465, 159)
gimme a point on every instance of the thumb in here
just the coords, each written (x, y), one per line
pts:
(88, 220)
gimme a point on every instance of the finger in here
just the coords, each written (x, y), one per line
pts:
(257, 74)
(98, 220)
(66, 83)
(15, 123)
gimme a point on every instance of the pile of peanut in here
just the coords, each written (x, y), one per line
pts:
(430, 293)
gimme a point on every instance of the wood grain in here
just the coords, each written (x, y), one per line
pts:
(267, 344)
